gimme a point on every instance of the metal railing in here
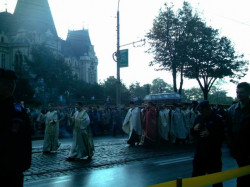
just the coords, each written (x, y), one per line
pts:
(206, 180)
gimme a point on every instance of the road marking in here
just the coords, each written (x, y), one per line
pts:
(174, 160)
(60, 181)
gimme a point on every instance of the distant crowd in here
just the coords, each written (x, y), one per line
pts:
(174, 121)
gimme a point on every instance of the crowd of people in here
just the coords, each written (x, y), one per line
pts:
(103, 120)
(159, 124)
(149, 125)
(109, 119)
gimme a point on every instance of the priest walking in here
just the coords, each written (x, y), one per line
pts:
(83, 145)
(132, 124)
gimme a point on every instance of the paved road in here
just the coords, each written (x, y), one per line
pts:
(109, 151)
(147, 167)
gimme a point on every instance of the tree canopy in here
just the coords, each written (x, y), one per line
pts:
(166, 41)
(211, 57)
(183, 44)
(160, 86)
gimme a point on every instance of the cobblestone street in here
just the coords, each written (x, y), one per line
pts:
(107, 154)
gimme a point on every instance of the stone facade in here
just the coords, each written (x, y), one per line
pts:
(32, 23)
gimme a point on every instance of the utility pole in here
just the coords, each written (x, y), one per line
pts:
(118, 58)
(118, 81)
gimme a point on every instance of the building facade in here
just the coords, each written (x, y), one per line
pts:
(31, 24)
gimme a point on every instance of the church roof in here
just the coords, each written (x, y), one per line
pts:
(66, 48)
(79, 42)
(5, 20)
(34, 15)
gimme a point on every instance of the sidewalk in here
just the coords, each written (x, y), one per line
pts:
(108, 151)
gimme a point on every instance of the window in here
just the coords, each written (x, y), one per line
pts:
(2, 39)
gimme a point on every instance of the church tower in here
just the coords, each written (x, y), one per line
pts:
(34, 15)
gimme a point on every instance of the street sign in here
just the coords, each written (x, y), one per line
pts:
(123, 58)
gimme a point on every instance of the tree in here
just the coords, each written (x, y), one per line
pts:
(125, 94)
(218, 95)
(109, 89)
(166, 41)
(191, 94)
(160, 86)
(51, 72)
(211, 57)
(83, 91)
(182, 43)
(24, 91)
(136, 90)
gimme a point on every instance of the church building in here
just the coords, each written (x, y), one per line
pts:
(31, 24)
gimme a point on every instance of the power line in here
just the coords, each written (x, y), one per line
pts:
(234, 20)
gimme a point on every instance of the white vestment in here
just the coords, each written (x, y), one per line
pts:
(164, 124)
(187, 119)
(51, 131)
(178, 128)
(82, 144)
(132, 122)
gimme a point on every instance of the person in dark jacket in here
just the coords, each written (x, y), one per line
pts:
(238, 130)
(208, 131)
(15, 134)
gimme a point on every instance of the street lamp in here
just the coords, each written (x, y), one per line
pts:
(118, 82)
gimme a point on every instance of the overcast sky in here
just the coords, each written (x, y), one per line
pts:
(231, 17)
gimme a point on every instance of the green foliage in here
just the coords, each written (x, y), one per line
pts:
(125, 95)
(192, 94)
(220, 97)
(109, 89)
(160, 86)
(167, 42)
(136, 90)
(85, 90)
(216, 96)
(211, 57)
(183, 44)
(53, 70)
(24, 90)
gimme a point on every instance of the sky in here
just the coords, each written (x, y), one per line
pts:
(231, 17)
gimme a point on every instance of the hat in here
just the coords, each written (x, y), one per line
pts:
(7, 74)
(202, 104)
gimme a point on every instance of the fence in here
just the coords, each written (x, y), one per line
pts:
(207, 180)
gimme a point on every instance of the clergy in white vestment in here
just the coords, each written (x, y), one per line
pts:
(51, 134)
(178, 128)
(132, 124)
(82, 145)
(164, 123)
(187, 117)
